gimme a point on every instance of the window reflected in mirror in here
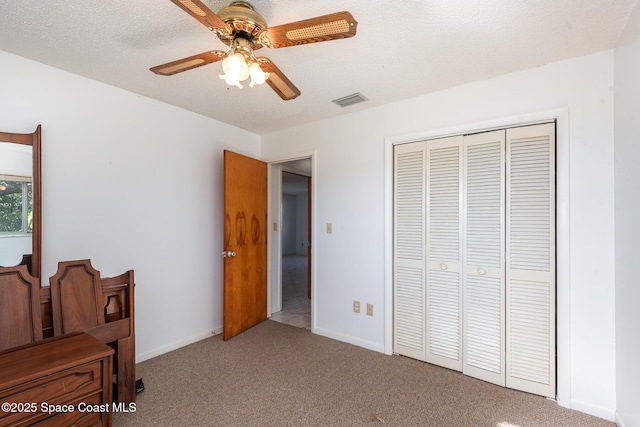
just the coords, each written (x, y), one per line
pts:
(16, 202)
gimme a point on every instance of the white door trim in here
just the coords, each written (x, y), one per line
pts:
(563, 230)
(274, 250)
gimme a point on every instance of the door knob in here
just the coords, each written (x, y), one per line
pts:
(228, 254)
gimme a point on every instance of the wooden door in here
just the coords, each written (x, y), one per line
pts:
(245, 243)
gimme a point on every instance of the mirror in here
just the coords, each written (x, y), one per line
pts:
(21, 200)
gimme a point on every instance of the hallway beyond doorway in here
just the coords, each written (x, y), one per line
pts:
(296, 306)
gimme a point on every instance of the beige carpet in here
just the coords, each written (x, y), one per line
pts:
(279, 375)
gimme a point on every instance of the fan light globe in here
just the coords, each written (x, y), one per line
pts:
(231, 80)
(235, 64)
(235, 69)
(258, 76)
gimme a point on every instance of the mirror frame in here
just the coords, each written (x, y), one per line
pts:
(34, 140)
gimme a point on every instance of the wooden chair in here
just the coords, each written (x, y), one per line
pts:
(104, 308)
(20, 321)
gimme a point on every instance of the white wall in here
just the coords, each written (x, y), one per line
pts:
(294, 224)
(129, 183)
(627, 228)
(350, 194)
(302, 218)
(15, 159)
(289, 219)
(12, 248)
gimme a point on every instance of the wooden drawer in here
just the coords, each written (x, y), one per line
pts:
(65, 370)
(62, 387)
(78, 418)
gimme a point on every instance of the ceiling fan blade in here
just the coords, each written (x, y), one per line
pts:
(189, 63)
(278, 81)
(201, 12)
(339, 25)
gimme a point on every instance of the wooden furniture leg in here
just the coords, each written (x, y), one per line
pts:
(126, 371)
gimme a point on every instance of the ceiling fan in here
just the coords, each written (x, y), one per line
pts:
(244, 30)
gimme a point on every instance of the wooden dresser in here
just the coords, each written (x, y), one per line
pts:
(71, 370)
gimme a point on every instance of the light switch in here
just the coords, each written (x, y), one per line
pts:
(329, 228)
(275, 226)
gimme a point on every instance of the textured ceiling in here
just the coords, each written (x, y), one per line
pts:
(402, 49)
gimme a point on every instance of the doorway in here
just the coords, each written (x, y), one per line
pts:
(291, 302)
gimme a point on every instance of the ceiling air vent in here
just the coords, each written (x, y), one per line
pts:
(354, 98)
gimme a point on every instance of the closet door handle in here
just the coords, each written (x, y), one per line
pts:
(482, 271)
(443, 266)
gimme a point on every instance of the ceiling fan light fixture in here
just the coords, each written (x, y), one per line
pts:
(236, 64)
(258, 76)
(235, 69)
(240, 63)
(231, 80)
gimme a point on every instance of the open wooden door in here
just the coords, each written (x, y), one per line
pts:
(245, 243)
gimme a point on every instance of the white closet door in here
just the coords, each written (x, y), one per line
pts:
(483, 256)
(443, 267)
(530, 258)
(409, 250)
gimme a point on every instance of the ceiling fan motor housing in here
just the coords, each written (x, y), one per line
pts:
(242, 21)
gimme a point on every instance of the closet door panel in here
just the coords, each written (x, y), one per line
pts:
(444, 282)
(483, 256)
(409, 250)
(530, 258)
(474, 255)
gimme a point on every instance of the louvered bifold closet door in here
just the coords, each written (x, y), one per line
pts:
(444, 284)
(409, 250)
(530, 259)
(483, 256)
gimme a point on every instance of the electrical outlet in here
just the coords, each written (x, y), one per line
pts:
(356, 306)
(369, 309)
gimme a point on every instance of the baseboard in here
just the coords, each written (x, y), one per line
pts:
(619, 421)
(176, 345)
(596, 411)
(565, 403)
(350, 339)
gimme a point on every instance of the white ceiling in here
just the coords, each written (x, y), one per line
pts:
(402, 49)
